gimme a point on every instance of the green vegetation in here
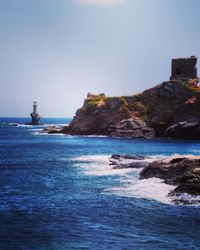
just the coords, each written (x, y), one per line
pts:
(124, 101)
(99, 99)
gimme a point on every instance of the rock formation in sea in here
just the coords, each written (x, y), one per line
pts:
(169, 109)
(181, 171)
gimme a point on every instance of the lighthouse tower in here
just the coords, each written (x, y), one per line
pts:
(34, 115)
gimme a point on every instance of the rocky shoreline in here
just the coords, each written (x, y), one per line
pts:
(168, 110)
(182, 171)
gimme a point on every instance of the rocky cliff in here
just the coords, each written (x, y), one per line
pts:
(169, 109)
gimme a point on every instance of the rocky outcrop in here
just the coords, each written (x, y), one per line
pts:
(181, 171)
(99, 115)
(184, 130)
(108, 116)
(129, 161)
(132, 128)
(170, 103)
(54, 130)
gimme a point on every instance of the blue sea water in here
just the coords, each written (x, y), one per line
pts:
(58, 192)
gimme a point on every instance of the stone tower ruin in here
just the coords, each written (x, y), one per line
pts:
(184, 68)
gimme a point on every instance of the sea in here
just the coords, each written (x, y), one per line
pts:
(59, 192)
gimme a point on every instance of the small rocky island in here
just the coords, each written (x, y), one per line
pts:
(170, 109)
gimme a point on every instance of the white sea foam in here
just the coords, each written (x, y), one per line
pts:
(24, 126)
(129, 183)
(36, 129)
(98, 165)
(55, 124)
(46, 134)
(11, 123)
(93, 158)
(94, 169)
(152, 188)
(58, 125)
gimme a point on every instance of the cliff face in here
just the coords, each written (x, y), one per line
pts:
(98, 115)
(171, 103)
(161, 111)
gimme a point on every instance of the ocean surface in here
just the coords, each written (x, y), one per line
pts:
(59, 192)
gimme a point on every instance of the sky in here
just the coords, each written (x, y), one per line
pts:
(56, 51)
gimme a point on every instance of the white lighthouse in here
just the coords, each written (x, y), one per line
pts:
(34, 107)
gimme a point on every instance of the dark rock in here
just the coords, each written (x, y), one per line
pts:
(35, 119)
(176, 160)
(132, 128)
(184, 130)
(134, 161)
(135, 164)
(115, 156)
(184, 172)
(131, 157)
(172, 173)
(54, 130)
(112, 162)
(189, 188)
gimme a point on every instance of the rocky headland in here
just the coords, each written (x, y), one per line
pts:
(170, 109)
(181, 171)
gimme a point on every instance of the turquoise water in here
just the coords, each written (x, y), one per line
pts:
(58, 192)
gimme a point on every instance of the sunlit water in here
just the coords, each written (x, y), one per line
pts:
(59, 192)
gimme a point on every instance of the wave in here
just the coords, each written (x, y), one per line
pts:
(59, 125)
(93, 158)
(55, 124)
(21, 125)
(152, 189)
(129, 183)
(46, 134)
(97, 165)
(11, 123)
(36, 129)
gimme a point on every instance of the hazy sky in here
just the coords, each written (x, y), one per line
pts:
(56, 51)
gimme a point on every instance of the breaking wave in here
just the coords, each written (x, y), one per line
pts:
(152, 188)
(129, 183)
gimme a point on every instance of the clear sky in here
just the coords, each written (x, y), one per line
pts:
(56, 51)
